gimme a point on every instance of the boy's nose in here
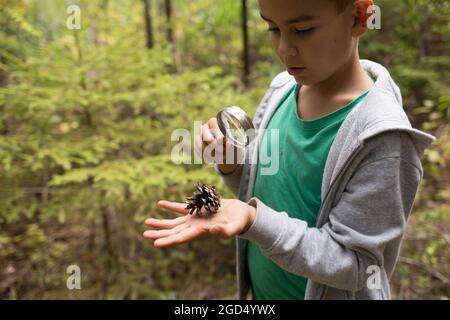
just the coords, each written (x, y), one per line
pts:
(285, 48)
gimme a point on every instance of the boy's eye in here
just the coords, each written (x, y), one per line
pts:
(298, 31)
(303, 31)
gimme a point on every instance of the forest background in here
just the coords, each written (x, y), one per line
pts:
(86, 117)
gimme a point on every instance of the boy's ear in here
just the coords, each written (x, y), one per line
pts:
(361, 15)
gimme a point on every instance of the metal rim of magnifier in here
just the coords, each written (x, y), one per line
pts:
(243, 119)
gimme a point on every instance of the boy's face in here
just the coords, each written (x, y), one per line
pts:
(311, 34)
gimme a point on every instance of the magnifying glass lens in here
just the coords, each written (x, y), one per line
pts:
(235, 125)
(234, 128)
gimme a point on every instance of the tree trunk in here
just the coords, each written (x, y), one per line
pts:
(245, 55)
(168, 9)
(171, 37)
(148, 24)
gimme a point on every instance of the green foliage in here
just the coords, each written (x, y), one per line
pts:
(86, 118)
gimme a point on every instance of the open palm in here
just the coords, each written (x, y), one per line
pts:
(233, 218)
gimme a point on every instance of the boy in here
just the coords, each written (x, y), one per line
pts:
(329, 223)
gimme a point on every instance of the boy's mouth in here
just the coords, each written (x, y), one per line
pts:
(296, 70)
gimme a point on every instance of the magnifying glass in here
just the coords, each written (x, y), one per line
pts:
(236, 126)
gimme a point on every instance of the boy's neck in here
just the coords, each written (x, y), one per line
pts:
(349, 80)
(345, 85)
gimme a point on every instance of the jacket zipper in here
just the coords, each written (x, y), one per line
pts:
(327, 194)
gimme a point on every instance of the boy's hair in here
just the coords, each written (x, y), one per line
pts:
(342, 4)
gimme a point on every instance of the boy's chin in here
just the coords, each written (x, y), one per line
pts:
(302, 81)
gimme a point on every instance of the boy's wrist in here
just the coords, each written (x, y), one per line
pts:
(251, 218)
(227, 168)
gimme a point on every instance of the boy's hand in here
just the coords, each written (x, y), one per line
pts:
(210, 135)
(233, 218)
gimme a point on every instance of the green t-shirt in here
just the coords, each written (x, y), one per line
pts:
(295, 188)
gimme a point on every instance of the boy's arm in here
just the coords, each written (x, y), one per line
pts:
(232, 179)
(369, 219)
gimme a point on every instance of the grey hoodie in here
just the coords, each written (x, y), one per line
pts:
(371, 176)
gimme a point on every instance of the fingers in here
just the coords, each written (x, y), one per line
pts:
(181, 237)
(156, 234)
(212, 146)
(173, 206)
(210, 133)
(220, 145)
(214, 128)
(165, 223)
(219, 149)
(207, 134)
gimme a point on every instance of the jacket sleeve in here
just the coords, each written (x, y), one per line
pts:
(365, 225)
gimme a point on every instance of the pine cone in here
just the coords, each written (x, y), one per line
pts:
(206, 197)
